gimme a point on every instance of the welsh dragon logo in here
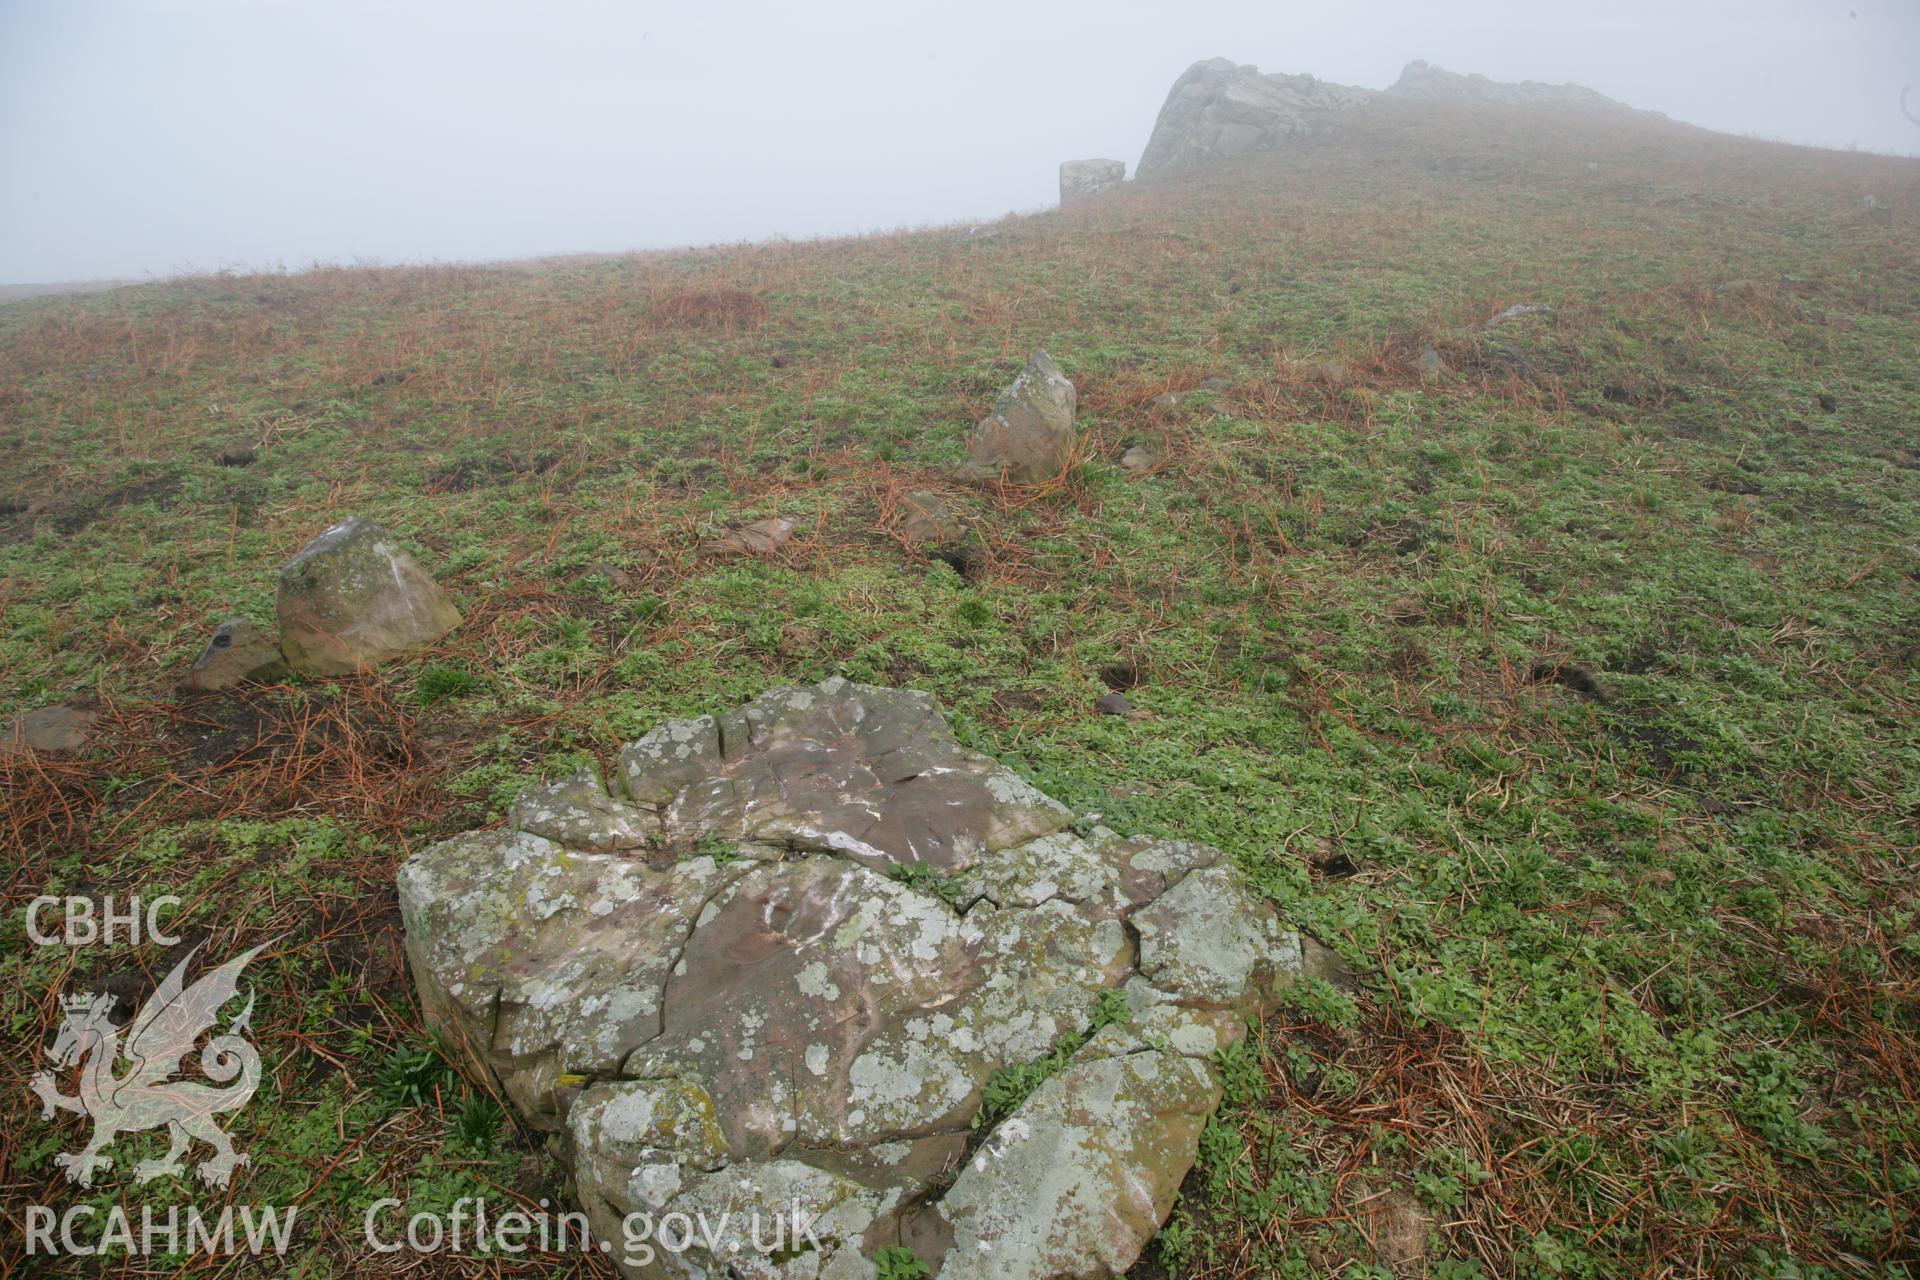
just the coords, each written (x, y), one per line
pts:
(144, 1095)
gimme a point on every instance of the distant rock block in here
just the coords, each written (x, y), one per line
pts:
(351, 598)
(1082, 178)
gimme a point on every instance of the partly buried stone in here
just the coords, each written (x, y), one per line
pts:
(237, 654)
(56, 728)
(926, 521)
(778, 965)
(1171, 404)
(1517, 311)
(760, 538)
(352, 598)
(1082, 178)
(1028, 438)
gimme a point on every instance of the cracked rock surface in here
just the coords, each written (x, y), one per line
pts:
(779, 962)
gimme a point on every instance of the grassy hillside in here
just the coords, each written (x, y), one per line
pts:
(1569, 695)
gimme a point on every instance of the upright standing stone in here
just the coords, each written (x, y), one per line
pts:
(352, 598)
(1028, 438)
(1082, 178)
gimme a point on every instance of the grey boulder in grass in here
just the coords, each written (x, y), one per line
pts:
(1028, 438)
(351, 598)
(783, 961)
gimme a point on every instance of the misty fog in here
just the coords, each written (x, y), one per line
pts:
(190, 135)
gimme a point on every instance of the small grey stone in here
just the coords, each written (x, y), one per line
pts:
(237, 454)
(1171, 404)
(1432, 364)
(1318, 960)
(56, 728)
(1114, 704)
(760, 538)
(1516, 311)
(1139, 458)
(925, 520)
(1166, 405)
(617, 578)
(237, 654)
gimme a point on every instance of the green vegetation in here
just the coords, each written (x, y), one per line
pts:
(897, 1263)
(924, 877)
(439, 682)
(1568, 696)
(1012, 1085)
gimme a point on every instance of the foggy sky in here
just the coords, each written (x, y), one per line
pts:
(163, 136)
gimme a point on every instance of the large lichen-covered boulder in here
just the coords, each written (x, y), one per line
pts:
(352, 598)
(785, 958)
(1028, 438)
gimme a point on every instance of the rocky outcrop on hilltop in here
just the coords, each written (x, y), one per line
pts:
(1219, 109)
(1423, 80)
